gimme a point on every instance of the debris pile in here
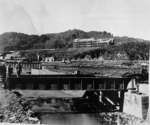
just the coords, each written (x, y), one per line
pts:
(13, 110)
(120, 118)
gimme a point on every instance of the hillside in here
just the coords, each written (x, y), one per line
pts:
(20, 41)
(131, 48)
(124, 51)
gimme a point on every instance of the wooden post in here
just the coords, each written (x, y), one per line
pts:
(121, 100)
(81, 84)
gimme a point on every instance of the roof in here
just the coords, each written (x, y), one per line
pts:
(82, 40)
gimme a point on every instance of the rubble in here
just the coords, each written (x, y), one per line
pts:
(120, 118)
(13, 110)
(33, 119)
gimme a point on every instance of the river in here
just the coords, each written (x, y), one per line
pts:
(61, 112)
(69, 119)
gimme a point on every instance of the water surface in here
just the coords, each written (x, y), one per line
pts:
(69, 119)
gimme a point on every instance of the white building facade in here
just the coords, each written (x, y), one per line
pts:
(91, 42)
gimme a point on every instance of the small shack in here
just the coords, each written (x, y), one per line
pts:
(49, 59)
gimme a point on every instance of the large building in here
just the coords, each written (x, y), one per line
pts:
(91, 42)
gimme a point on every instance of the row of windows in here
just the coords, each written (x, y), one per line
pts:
(89, 45)
(67, 87)
(53, 87)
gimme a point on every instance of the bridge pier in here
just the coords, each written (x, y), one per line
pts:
(105, 100)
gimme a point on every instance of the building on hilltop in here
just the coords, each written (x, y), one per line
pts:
(91, 42)
(78, 43)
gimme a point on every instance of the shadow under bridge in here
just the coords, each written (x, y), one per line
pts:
(102, 94)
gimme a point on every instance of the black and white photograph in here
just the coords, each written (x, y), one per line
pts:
(74, 62)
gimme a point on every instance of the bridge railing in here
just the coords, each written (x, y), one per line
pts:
(67, 83)
(26, 65)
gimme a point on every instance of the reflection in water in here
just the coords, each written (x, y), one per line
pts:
(63, 118)
(69, 119)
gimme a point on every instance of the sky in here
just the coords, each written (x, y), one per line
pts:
(119, 17)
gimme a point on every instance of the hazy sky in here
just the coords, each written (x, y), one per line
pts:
(120, 17)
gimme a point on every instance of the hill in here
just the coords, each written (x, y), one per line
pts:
(20, 41)
(132, 48)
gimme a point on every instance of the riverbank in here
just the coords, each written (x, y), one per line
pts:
(120, 118)
(12, 110)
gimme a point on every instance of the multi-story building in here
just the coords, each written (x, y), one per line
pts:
(78, 43)
(91, 42)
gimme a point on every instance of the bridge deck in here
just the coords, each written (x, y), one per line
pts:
(66, 82)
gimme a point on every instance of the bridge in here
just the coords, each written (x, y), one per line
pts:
(106, 94)
(66, 82)
(110, 90)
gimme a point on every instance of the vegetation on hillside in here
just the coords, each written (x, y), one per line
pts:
(129, 50)
(20, 41)
(124, 48)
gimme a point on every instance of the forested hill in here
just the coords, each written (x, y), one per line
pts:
(20, 41)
